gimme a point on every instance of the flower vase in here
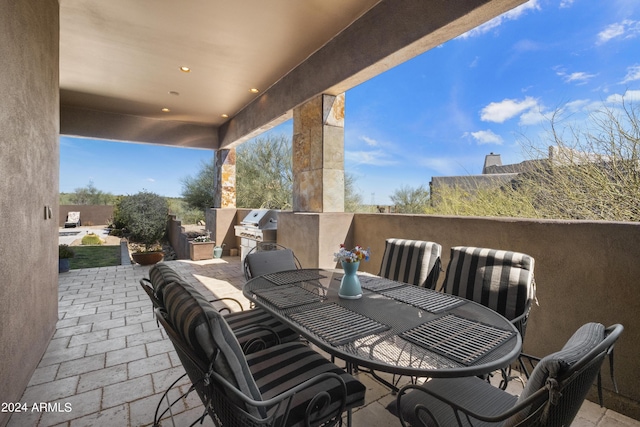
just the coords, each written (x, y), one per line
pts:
(350, 284)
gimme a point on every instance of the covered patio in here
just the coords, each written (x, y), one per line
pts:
(109, 362)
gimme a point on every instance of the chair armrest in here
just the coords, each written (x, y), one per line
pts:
(148, 288)
(227, 299)
(537, 399)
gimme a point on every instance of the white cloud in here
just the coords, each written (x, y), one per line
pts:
(374, 158)
(485, 137)
(499, 112)
(566, 3)
(150, 180)
(443, 166)
(578, 77)
(626, 29)
(633, 73)
(532, 117)
(369, 141)
(630, 95)
(511, 15)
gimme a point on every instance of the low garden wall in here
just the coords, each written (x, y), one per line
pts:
(89, 214)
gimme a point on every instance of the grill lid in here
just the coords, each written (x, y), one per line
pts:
(264, 219)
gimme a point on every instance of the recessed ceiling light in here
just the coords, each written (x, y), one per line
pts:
(173, 92)
(165, 110)
(185, 69)
(224, 115)
(254, 90)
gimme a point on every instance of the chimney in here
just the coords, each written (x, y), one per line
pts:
(491, 160)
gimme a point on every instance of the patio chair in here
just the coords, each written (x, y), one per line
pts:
(500, 280)
(552, 396)
(284, 385)
(73, 220)
(267, 258)
(255, 329)
(412, 261)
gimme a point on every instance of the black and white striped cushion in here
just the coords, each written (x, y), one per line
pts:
(209, 336)
(411, 261)
(283, 367)
(161, 275)
(500, 280)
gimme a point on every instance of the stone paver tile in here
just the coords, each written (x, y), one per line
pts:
(149, 365)
(59, 343)
(142, 411)
(109, 308)
(62, 355)
(151, 325)
(143, 317)
(93, 318)
(106, 346)
(108, 324)
(87, 338)
(116, 416)
(374, 415)
(188, 417)
(72, 407)
(44, 374)
(158, 347)
(81, 366)
(125, 355)
(124, 330)
(123, 313)
(614, 419)
(86, 301)
(22, 419)
(144, 338)
(80, 312)
(73, 330)
(51, 391)
(163, 379)
(102, 377)
(140, 303)
(127, 391)
(65, 323)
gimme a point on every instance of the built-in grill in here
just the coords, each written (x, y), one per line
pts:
(260, 225)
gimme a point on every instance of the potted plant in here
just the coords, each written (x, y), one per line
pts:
(201, 247)
(144, 216)
(64, 254)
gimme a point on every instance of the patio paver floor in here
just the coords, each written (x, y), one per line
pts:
(108, 362)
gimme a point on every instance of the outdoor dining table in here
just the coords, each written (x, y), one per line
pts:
(394, 327)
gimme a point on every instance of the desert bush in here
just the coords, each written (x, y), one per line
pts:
(144, 217)
(91, 239)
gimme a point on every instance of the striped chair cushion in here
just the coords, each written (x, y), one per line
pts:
(500, 280)
(555, 365)
(208, 334)
(161, 275)
(240, 320)
(283, 367)
(411, 261)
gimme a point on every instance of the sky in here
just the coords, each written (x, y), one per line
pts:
(440, 113)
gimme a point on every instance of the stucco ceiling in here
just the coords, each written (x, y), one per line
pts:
(120, 59)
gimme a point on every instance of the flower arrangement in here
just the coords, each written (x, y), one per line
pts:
(354, 255)
(201, 239)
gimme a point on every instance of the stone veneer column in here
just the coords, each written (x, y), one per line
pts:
(318, 155)
(225, 179)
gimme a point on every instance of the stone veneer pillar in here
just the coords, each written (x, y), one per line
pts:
(225, 179)
(318, 155)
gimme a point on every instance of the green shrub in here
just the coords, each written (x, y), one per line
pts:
(64, 251)
(91, 239)
(144, 216)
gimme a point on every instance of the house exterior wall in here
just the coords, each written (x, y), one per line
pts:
(29, 164)
(89, 214)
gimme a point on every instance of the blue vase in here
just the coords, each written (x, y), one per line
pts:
(350, 284)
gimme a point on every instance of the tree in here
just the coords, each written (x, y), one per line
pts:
(352, 199)
(411, 200)
(264, 175)
(90, 195)
(198, 191)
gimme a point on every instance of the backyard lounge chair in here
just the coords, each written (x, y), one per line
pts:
(411, 261)
(73, 220)
(284, 385)
(552, 396)
(500, 280)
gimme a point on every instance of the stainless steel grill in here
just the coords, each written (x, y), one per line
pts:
(260, 225)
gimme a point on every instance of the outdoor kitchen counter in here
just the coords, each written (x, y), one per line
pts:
(395, 327)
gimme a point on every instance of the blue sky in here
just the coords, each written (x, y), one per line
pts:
(438, 114)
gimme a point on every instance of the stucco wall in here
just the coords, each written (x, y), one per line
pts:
(89, 214)
(29, 163)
